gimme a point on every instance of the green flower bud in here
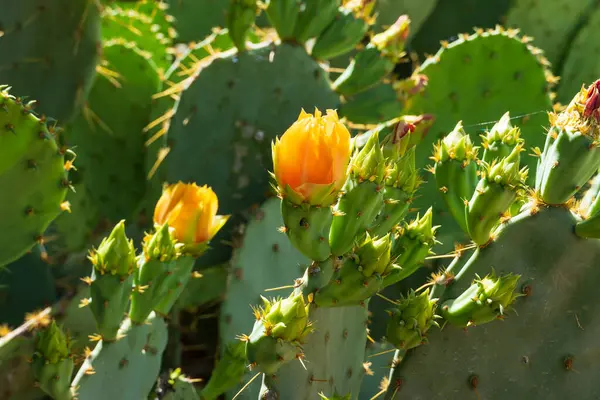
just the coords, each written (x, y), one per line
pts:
(502, 132)
(52, 344)
(369, 163)
(410, 320)
(286, 319)
(506, 171)
(161, 245)
(484, 301)
(116, 254)
(374, 255)
(456, 145)
(411, 247)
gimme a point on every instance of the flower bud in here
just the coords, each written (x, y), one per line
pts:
(191, 211)
(286, 319)
(310, 160)
(161, 245)
(484, 301)
(456, 145)
(374, 255)
(410, 320)
(52, 344)
(115, 254)
(369, 164)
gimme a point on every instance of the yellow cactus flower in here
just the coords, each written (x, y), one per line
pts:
(191, 211)
(311, 158)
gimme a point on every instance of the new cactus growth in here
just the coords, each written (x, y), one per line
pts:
(410, 320)
(337, 286)
(110, 283)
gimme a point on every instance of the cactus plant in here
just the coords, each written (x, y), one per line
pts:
(348, 264)
(536, 280)
(489, 91)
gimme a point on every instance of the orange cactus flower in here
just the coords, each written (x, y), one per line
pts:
(311, 158)
(191, 211)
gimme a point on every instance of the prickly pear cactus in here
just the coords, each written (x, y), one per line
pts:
(470, 80)
(49, 52)
(33, 162)
(534, 272)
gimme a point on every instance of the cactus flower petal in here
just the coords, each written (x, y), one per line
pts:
(191, 211)
(311, 158)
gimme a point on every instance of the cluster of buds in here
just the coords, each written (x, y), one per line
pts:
(410, 320)
(281, 326)
(478, 192)
(185, 220)
(486, 300)
(343, 202)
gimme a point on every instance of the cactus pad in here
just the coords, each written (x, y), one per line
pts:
(558, 284)
(138, 27)
(266, 260)
(58, 39)
(33, 171)
(126, 368)
(109, 141)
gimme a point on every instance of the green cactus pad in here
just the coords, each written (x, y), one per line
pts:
(334, 356)
(547, 345)
(127, 368)
(32, 170)
(232, 131)
(265, 260)
(581, 66)
(109, 141)
(49, 52)
(137, 27)
(476, 79)
(74, 231)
